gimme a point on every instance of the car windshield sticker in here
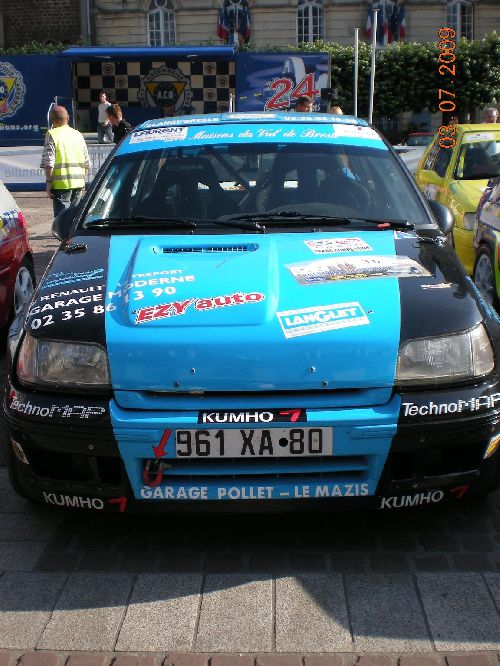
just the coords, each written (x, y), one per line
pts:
(159, 134)
(332, 245)
(318, 319)
(356, 268)
(356, 131)
(478, 136)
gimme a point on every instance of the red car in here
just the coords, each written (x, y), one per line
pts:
(17, 275)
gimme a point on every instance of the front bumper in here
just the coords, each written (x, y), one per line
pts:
(417, 449)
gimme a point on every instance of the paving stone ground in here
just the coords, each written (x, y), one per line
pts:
(415, 587)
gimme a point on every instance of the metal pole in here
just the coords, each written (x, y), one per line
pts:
(372, 73)
(356, 62)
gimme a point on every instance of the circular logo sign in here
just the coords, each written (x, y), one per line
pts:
(12, 90)
(166, 87)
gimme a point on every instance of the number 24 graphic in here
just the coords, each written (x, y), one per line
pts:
(285, 90)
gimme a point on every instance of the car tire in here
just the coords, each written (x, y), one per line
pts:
(24, 287)
(484, 275)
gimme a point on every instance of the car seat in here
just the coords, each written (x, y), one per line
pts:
(188, 187)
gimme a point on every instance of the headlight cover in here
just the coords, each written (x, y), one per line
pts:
(445, 359)
(68, 365)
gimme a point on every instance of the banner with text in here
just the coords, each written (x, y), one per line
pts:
(275, 81)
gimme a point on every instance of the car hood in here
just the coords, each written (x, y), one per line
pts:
(294, 312)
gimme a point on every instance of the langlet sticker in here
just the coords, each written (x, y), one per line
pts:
(356, 268)
(320, 318)
(332, 245)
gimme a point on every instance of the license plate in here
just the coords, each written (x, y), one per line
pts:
(254, 443)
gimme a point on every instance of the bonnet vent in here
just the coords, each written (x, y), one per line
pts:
(251, 247)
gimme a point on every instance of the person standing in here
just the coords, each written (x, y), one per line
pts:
(491, 115)
(120, 126)
(103, 125)
(304, 104)
(65, 159)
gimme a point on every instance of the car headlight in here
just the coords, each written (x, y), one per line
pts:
(470, 221)
(446, 358)
(68, 365)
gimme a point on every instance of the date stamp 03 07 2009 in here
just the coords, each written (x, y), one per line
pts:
(447, 67)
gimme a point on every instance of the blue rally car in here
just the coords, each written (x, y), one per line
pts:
(254, 308)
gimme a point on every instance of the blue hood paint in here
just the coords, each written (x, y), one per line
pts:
(207, 320)
(231, 344)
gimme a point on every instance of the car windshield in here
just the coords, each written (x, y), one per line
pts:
(419, 139)
(220, 182)
(479, 156)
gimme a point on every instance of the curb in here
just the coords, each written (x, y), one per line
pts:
(50, 658)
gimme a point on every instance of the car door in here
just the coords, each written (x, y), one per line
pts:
(11, 250)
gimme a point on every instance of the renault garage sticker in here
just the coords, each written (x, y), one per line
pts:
(356, 268)
(331, 245)
(306, 321)
(159, 134)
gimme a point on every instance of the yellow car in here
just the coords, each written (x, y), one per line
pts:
(457, 176)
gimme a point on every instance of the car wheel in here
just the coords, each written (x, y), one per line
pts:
(484, 276)
(24, 286)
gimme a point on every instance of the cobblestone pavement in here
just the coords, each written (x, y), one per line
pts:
(413, 587)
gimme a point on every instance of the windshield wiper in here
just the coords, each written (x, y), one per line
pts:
(295, 218)
(142, 221)
(393, 224)
(276, 219)
(170, 223)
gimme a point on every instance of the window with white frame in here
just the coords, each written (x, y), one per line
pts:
(161, 22)
(459, 17)
(310, 20)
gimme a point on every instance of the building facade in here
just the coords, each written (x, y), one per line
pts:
(279, 22)
(272, 22)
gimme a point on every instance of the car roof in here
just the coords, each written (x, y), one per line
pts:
(474, 127)
(252, 117)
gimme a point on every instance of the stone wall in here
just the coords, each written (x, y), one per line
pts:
(41, 21)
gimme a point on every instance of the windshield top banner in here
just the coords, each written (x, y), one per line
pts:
(152, 138)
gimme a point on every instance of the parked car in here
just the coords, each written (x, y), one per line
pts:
(486, 243)
(254, 308)
(17, 276)
(418, 139)
(457, 177)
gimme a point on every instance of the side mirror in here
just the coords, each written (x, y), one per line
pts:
(444, 219)
(62, 223)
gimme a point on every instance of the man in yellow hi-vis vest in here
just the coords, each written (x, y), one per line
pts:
(65, 159)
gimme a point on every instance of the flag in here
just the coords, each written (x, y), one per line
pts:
(402, 22)
(222, 29)
(382, 23)
(244, 27)
(392, 17)
(369, 23)
(397, 23)
(234, 21)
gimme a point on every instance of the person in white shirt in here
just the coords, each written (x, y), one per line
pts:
(104, 128)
